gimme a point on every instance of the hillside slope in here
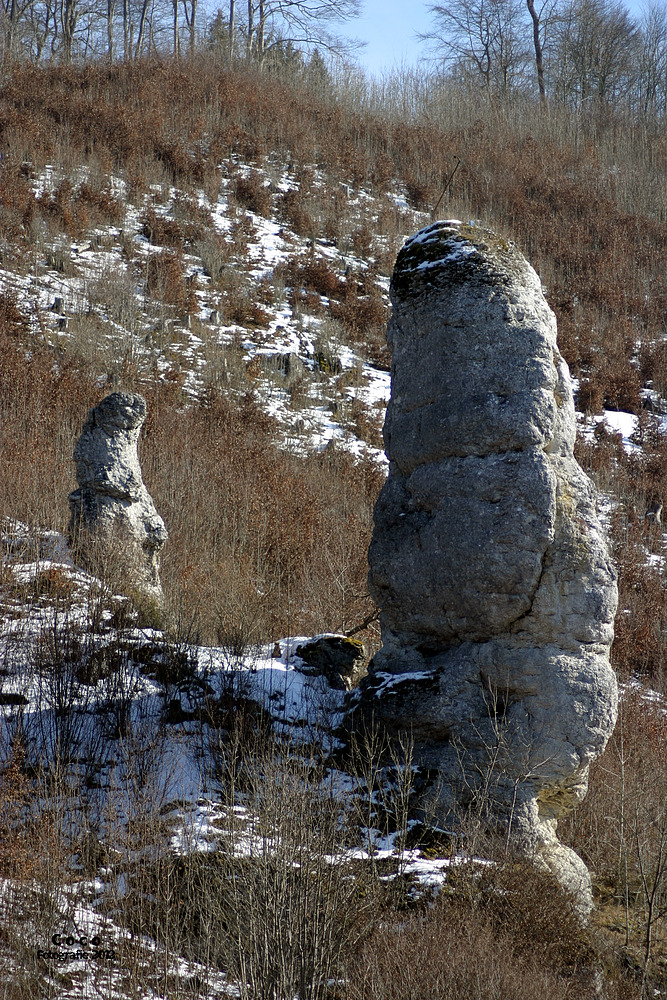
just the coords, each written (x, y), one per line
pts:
(222, 241)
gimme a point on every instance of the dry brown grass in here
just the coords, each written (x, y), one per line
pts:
(620, 831)
(41, 407)
(161, 231)
(281, 542)
(166, 281)
(531, 178)
(253, 193)
(634, 481)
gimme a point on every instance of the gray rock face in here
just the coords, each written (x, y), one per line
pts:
(112, 513)
(489, 565)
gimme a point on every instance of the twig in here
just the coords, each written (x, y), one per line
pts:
(365, 623)
(444, 190)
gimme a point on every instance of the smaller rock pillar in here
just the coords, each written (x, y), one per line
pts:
(114, 523)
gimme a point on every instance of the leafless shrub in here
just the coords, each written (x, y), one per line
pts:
(214, 252)
(115, 292)
(240, 306)
(100, 204)
(253, 193)
(362, 240)
(161, 231)
(13, 322)
(621, 830)
(278, 904)
(311, 274)
(510, 935)
(296, 214)
(166, 281)
(364, 315)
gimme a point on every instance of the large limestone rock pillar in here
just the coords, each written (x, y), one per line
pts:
(488, 562)
(114, 523)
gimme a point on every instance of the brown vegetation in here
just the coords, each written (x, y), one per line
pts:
(505, 934)
(260, 541)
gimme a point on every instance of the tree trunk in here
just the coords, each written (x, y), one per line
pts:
(539, 63)
(127, 46)
(111, 5)
(11, 32)
(142, 25)
(70, 16)
(232, 5)
(261, 39)
(190, 12)
(177, 38)
(251, 29)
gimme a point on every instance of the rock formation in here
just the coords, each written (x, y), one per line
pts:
(113, 517)
(489, 565)
(340, 659)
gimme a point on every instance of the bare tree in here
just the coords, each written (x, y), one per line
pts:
(69, 17)
(232, 10)
(41, 27)
(145, 18)
(111, 14)
(487, 36)
(68, 28)
(250, 33)
(190, 14)
(652, 71)
(299, 22)
(127, 30)
(14, 25)
(596, 52)
(537, 42)
(177, 33)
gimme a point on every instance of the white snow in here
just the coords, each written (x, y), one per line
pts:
(624, 424)
(616, 422)
(465, 250)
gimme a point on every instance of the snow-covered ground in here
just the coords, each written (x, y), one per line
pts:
(615, 422)
(98, 286)
(139, 747)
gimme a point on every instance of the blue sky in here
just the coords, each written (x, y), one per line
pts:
(389, 27)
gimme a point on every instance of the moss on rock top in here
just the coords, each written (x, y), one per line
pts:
(452, 252)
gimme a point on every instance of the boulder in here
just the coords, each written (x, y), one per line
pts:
(488, 562)
(290, 365)
(341, 660)
(113, 518)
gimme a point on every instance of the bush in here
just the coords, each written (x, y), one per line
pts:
(278, 906)
(166, 281)
(253, 193)
(505, 933)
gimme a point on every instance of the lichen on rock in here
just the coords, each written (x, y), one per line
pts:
(488, 562)
(113, 517)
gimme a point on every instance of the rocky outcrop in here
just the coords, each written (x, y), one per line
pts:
(113, 518)
(488, 562)
(338, 658)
